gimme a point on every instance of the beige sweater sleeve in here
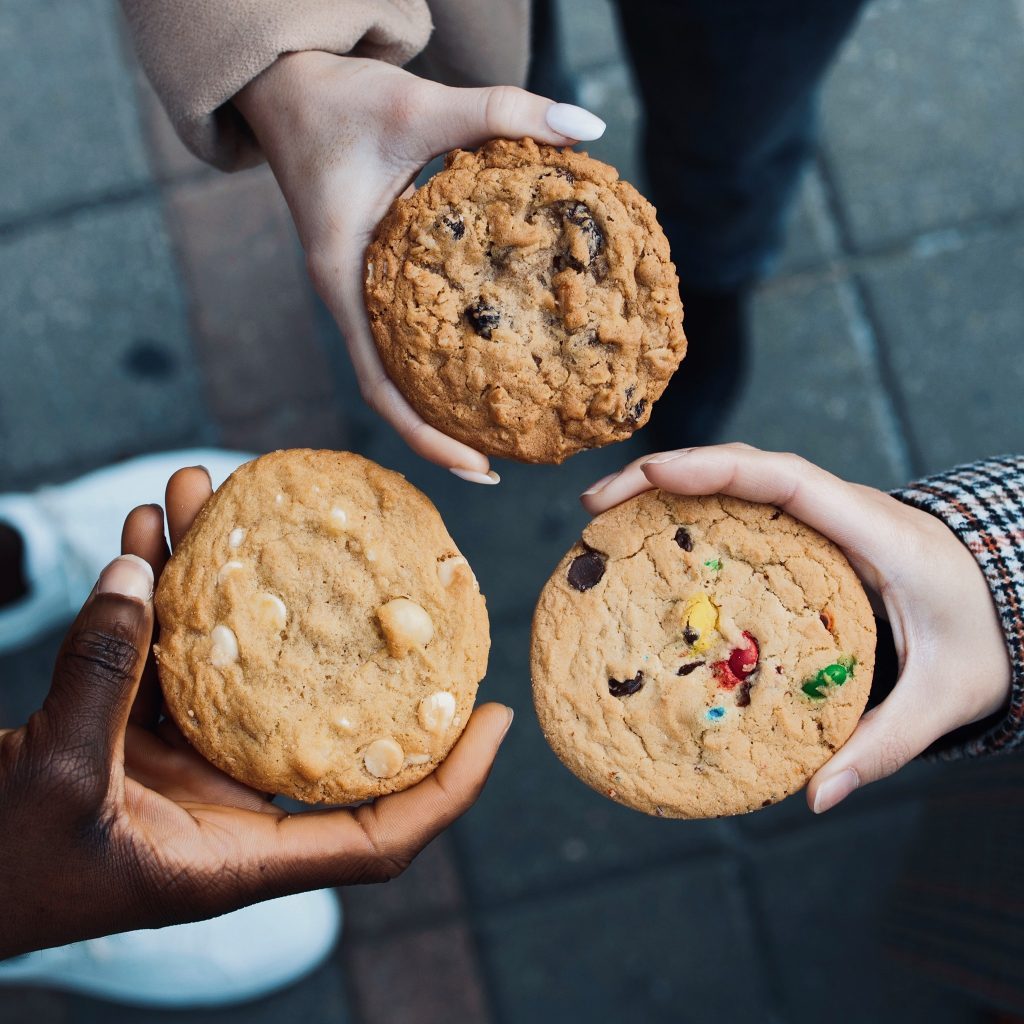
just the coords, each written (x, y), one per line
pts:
(200, 53)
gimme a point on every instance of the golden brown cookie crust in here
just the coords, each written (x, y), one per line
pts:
(320, 634)
(525, 302)
(646, 682)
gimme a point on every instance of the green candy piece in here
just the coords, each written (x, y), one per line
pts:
(831, 675)
(834, 674)
(714, 563)
(811, 688)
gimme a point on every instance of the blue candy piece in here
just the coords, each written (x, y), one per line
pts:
(716, 713)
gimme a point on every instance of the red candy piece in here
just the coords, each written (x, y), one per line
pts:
(742, 661)
(725, 676)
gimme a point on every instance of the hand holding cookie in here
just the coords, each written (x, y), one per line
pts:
(115, 822)
(954, 664)
(344, 137)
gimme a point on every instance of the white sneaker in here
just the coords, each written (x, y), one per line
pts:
(73, 530)
(229, 959)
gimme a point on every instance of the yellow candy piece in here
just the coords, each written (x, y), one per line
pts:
(701, 616)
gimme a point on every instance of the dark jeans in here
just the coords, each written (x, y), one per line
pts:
(730, 93)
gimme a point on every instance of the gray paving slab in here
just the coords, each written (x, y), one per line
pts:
(819, 895)
(68, 123)
(659, 947)
(537, 827)
(811, 236)
(923, 117)
(813, 386)
(951, 316)
(589, 31)
(94, 343)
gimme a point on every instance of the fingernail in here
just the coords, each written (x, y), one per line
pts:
(127, 576)
(601, 484)
(511, 715)
(835, 790)
(574, 122)
(658, 460)
(477, 478)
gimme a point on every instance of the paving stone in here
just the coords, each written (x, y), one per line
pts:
(537, 827)
(659, 947)
(820, 895)
(95, 345)
(68, 125)
(952, 319)
(428, 890)
(249, 295)
(810, 234)
(811, 388)
(430, 976)
(589, 31)
(922, 117)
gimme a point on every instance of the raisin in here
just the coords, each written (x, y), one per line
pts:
(586, 570)
(775, 515)
(685, 670)
(577, 213)
(683, 538)
(638, 410)
(743, 694)
(626, 687)
(564, 172)
(456, 225)
(484, 317)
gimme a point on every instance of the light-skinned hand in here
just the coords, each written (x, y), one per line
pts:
(954, 664)
(345, 136)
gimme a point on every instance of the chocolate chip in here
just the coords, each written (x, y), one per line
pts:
(775, 515)
(638, 410)
(766, 803)
(586, 570)
(683, 538)
(690, 635)
(455, 225)
(743, 694)
(626, 686)
(578, 214)
(484, 317)
(564, 172)
(685, 670)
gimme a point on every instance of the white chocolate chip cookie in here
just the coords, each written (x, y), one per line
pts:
(321, 635)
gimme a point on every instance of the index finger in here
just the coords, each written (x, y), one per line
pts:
(834, 507)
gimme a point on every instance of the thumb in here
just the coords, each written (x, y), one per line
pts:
(98, 670)
(887, 738)
(469, 117)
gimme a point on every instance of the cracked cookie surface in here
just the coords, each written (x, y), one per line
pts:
(320, 634)
(696, 657)
(525, 302)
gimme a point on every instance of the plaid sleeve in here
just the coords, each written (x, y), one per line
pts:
(983, 504)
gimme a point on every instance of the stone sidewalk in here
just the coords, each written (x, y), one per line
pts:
(149, 302)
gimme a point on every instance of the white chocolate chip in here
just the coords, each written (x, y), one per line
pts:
(228, 568)
(313, 761)
(223, 647)
(271, 611)
(344, 723)
(278, 499)
(414, 759)
(337, 520)
(235, 538)
(437, 711)
(371, 555)
(384, 758)
(447, 570)
(405, 626)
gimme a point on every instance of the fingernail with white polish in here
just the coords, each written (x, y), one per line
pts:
(601, 484)
(574, 122)
(833, 791)
(127, 576)
(477, 478)
(658, 460)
